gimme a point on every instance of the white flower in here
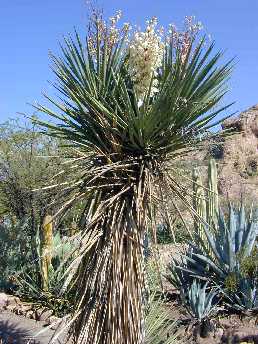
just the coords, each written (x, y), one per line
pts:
(145, 57)
(140, 102)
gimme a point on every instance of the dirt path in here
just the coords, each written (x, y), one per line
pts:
(15, 329)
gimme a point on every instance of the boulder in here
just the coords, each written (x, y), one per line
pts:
(13, 300)
(3, 301)
(54, 322)
(43, 314)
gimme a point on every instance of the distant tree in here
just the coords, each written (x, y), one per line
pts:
(28, 161)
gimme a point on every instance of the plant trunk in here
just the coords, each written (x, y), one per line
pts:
(111, 293)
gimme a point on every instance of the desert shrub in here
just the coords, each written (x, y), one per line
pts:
(181, 234)
(216, 150)
(164, 235)
(20, 270)
(58, 297)
(16, 252)
(252, 167)
(178, 234)
(153, 274)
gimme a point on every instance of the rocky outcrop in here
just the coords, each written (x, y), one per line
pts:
(247, 122)
(238, 157)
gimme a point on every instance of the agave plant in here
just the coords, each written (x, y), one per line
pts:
(233, 239)
(222, 257)
(199, 302)
(124, 129)
(246, 299)
(201, 305)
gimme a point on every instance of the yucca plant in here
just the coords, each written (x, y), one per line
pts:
(160, 328)
(127, 109)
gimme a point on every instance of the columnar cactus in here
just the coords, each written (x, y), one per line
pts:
(206, 204)
(213, 198)
(46, 245)
(199, 202)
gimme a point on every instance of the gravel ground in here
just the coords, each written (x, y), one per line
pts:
(20, 330)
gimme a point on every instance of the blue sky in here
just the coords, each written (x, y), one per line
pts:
(29, 29)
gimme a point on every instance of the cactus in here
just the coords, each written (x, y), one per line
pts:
(199, 203)
(46, 247)
(213, 198)
(206, 204)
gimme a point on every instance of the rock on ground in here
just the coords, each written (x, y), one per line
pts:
(15, 329)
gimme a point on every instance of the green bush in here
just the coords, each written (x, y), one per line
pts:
(20, 270)
(59, 296)
(16, 253)
(165, 236)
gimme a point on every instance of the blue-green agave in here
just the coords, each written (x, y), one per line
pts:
(221, 257)
(199, 301)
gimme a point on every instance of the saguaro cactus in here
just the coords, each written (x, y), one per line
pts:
(46, 246)
(205, 200)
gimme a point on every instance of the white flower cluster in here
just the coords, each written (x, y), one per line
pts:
(183, 39)
(106, 34)
(145, 57)
(192, 26)
(113, 30)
